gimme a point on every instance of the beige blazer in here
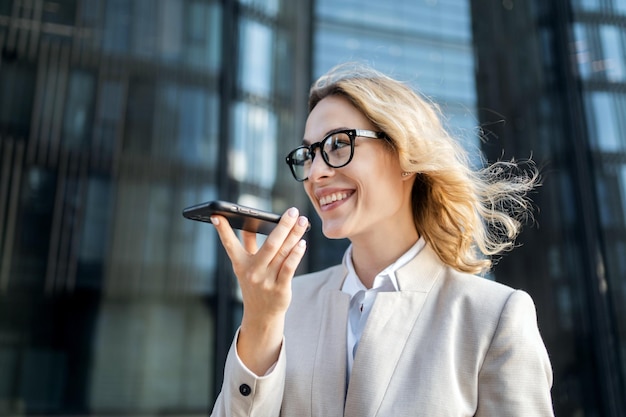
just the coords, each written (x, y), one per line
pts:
(445, 344)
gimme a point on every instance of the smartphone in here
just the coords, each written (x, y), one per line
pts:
(239, 217)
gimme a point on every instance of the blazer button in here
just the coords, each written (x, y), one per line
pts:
(245, 389)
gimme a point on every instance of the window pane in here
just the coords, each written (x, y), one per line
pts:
(256, 45)
(252, 156)
(602, 119)
(613, 51)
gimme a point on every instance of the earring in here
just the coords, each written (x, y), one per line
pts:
(406, 173)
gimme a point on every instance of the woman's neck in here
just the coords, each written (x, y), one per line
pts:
(371, 256)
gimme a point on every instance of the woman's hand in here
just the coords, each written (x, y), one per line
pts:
(264, 275)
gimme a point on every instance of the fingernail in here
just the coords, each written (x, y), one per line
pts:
(293, 212)
(302, 243)
(215, 220)
(303, 221)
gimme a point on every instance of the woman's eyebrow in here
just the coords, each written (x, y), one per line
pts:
(307, 142)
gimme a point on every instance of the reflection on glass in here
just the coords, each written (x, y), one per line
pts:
(581, 50)
(613, 50)
(172, 31)
(76, 121)
(256, 45)
(146, 355)
(622, 187)
(269, 7)
(603, 120)
(252, 157)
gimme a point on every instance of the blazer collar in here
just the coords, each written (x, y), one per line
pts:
(420, 273)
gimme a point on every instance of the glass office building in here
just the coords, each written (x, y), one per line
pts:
(117, 114)
(114, 116)
(550, 82)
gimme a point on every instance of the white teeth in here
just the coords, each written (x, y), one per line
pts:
(331, 198)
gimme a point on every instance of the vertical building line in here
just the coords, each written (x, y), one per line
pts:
(70, 200)
(82, 180)
(14, 198)
(6, 148)
(48, 103)
(55, 235)
(35, 30)
(57, 110)
(78, 34)
(34, 140)
(25, 27)
(225, 186)
(14, 22)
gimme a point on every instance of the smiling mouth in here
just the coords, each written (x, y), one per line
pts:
(334, 197)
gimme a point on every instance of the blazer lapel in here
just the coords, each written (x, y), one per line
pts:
(328, 394)
(387, 330)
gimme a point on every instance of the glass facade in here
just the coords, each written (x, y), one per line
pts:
(117, 114)
(599, 36)
(550, 83)
(114, 116)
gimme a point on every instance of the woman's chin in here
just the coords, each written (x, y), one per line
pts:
(333, 231)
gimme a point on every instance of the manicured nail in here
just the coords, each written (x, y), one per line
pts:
(215, 220)
(303, 221)
(302, 243)
(293, 212)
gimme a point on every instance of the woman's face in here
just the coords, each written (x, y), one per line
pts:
(368, 198)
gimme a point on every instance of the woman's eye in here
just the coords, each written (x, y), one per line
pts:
(338, 142)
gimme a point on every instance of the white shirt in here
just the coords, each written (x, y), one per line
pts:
(385, 281)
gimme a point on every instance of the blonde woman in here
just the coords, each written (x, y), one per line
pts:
(403, 327)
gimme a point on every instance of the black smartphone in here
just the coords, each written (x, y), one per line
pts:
(239, 217)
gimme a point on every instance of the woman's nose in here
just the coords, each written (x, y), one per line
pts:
(319, 168)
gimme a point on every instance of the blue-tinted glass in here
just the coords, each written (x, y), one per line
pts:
(610, 211)
(442, 70)
(111, 101)
(203, 44)
(182, 118)
(411, 18)
(588, 5)
(117, 26)
(191, 243)
(603, 122)
(256, 46)
(144, 356)
(582, 52)
(62, 12)
(613, 52)
(78, 111)
(170, 30)
(252, 157)
(622, 179)
(97, 223)
(17, 93)
(198, 115)
(144, 30)
(269, 7)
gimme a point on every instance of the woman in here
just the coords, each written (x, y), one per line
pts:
(402, 327)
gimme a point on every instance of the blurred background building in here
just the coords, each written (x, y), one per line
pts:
(117, 114)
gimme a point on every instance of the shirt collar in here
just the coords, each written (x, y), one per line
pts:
(387, 277)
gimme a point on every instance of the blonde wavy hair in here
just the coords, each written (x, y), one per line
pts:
(468, 216)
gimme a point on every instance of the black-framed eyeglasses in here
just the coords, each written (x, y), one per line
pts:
(337, 150)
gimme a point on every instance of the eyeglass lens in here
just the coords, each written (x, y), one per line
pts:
(336, 151)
